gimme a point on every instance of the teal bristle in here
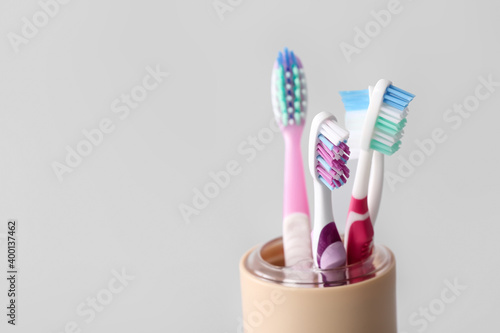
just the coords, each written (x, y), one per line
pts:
(391, 120)
(289, 90)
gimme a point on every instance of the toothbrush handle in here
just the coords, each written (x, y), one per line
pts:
(295, 193)
(359, 232)
(330, 252)
(296, 239)
(375, 185)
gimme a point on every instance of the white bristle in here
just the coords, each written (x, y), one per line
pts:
(354, 121)
(344, 134)
(391, 138)
(391, 110)
(393, 113)
(288, 74)
(290, 110)
(330, 134)
(290, 121)
(390, 117)
(384, 139)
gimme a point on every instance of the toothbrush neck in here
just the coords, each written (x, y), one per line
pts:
(292, 135)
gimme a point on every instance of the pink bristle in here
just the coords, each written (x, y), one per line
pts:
(325, 175)
(328, 175)
(329, 155)
(324, 153)
(332, 173)
(345, 148)
(346, 171)
(344, 180)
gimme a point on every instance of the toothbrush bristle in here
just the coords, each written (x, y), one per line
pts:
(356, 104)
(391, 120)
(332, 155)
(355, 99)
(288, 89)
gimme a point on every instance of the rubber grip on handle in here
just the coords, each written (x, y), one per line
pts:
(297, 239)
(360, 231)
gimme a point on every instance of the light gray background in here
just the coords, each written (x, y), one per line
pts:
(120, 208)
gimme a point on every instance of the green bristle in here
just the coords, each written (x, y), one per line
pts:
(382, 127)
(383, 148)
(297, 86)
(296, 104)
(289, 103)
(281, 94)
(284, 118)
(399, 99)
(297, 117)
(297, 94)
(390, 127)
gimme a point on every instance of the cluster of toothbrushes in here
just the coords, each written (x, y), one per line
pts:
(375, 118)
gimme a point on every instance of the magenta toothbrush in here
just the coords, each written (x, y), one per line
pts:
(328, 154)
(288, 90)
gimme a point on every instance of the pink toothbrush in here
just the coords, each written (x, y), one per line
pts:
(288, 90)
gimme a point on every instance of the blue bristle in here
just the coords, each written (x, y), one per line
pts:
(287, 57)
(355, 99)
(325, 141)
(397, 98)
(326, 166)
(394, 102)
(400, 92)
(326, 183)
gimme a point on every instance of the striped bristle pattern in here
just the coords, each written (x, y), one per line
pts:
(391, 120)
(289, 89)
(332, 155)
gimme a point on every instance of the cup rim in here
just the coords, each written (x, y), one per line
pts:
(305, 274)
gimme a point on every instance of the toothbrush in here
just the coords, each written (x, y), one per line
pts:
(356, 104)
(382, 131)
(328, 153)
(288, 90)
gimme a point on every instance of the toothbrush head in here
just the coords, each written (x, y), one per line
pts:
(328, 151)
(391, 120)
(288, 90)
(356, 104)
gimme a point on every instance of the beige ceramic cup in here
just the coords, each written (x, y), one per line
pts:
(359, 298)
